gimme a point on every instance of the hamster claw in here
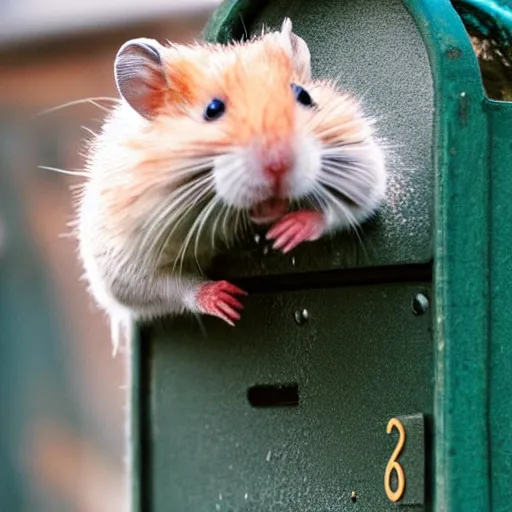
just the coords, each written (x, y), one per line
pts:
(295, 228)
(216, 299)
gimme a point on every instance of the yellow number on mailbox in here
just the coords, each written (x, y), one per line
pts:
(393, 464)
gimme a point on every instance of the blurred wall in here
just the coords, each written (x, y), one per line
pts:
(63, 393)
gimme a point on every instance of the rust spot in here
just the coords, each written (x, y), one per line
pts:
(453, 53)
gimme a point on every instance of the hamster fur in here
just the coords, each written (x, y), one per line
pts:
(206, 139)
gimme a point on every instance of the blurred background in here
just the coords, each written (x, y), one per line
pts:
(62, 394)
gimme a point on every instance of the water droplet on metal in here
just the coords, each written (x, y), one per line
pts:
(301, 316)
(246, 496)
(293, 260)
(257, 238)
(269, 454)
(265, 250)
(419, 304)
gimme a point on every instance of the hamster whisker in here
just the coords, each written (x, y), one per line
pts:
(184, 246)
(349, 181)
(343, 191)
(155, 238)
(92, 101)
(84, 174)
(347, 175)
(318, 200)
(233, 168)
(175, 200)
(335, 130)
(179, 177)
(182, 205)
(198, 152)
(214, 203)
(345, 147)
(354, 224)
(236, 174)
(183, 179)
(227, 212)
(237, 219)
(358, 231)
(89, 131)
(198, 167)
(345, 168)
(223, 208)
(340, 206)
(362, 146)
(246, 224)
(340, 158)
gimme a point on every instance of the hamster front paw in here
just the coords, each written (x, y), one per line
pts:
(215, 298)
(295, 228)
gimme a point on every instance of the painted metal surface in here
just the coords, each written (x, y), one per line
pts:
(499, 372)
(361, 358)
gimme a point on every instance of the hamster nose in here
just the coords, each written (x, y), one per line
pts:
(277, 168)
(278, 161)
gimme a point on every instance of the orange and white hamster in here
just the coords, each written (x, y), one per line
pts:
(205, 139)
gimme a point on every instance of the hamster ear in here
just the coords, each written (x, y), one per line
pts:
(140, 76)
(298, 48)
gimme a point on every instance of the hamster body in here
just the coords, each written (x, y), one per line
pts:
(206, 139)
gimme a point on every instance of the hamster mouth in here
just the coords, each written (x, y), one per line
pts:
(268, 211)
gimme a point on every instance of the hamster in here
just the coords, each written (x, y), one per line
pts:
(207, 139)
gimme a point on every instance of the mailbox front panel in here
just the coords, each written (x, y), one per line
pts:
(351, 357)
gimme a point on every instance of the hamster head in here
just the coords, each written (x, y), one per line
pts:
(248, 123)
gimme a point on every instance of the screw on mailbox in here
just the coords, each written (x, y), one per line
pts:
(301, 316)
(420, 304)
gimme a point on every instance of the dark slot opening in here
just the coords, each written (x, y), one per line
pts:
(273, 395)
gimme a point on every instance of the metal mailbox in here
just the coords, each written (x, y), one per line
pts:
(367, 374)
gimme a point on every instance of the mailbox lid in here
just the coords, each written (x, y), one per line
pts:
(360, 357)
(378, 54)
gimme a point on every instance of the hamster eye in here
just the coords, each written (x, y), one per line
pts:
(302, 96)
(214, 110)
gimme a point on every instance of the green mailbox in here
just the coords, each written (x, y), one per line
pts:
(372, 372)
